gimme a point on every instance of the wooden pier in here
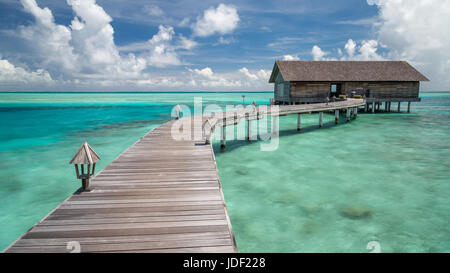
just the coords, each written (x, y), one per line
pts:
(160, 195)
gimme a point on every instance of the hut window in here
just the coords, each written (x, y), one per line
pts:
(335, 88)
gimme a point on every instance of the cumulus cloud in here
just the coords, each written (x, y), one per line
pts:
(261, 75)
(416, 31)
(247, 73)
(350, 47)
(51, 41)
(223, 20)
(368, 51)
(364, 51)
(84, 52)
(205, 72)
(317, 53)
(162, 52)
(242, 78)
(10, 74)
(290, 58)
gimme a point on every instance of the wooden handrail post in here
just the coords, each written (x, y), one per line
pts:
(320, 119)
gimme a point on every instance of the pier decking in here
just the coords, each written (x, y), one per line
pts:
(160, 195)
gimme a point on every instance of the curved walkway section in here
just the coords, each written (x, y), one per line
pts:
(160, 195)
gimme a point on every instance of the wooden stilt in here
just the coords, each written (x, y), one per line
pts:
(348, 114)
(299, 122)
(274, 124)
(373, 107)
(389, 107)
(398, 108)
(320, 119)
(223, 137)
(355, 113)
(385, 106)
(336, 116)
(366, 107)
(378, 106)
(409, 106)
(249, 130)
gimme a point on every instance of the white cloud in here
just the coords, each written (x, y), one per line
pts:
(416, 31)
(365, 51)
(247, 73)
(12, 75)
(368, 51)
(223, 20)
(350, 47)
(291, 58)
(205, 72)
(162, 52)
(184, 22)
(84, 53)
(186, 43)
(51, 41)
(154, 11)
(242, 78)
(225, 41)
(317, 53)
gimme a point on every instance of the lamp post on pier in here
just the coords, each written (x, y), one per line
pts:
(85, 157)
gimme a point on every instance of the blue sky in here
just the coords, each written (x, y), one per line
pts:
(113, 45)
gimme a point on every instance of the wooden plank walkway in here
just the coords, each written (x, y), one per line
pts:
(160, 195)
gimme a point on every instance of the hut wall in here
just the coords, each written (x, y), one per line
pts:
(310, 90)
(281, 89)
(385, 89)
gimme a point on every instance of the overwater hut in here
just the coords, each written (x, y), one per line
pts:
(315, 81)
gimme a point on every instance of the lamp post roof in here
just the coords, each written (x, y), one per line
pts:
(85, 155)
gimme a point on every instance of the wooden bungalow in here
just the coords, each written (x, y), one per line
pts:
(315, 81)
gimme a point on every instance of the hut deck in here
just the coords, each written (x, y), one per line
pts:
(160, 195)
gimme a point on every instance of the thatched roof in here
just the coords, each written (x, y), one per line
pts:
(346, 71)
(85, 155)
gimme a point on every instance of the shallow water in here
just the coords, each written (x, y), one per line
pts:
(40, 132)
(383, 177)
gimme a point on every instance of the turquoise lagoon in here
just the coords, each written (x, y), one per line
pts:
(383, 177)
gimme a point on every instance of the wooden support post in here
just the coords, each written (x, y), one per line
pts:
(385, 106)
(223, 137)
(299, 122)
(373, 107)
(85, 184)
(398, 108)
(378, 106)
(249, 129)
(366, 107)
(389, 107)
(274, 124)
(409, 106)
(336, 116)
(348, 114)
(320, 119)
(355, 113)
